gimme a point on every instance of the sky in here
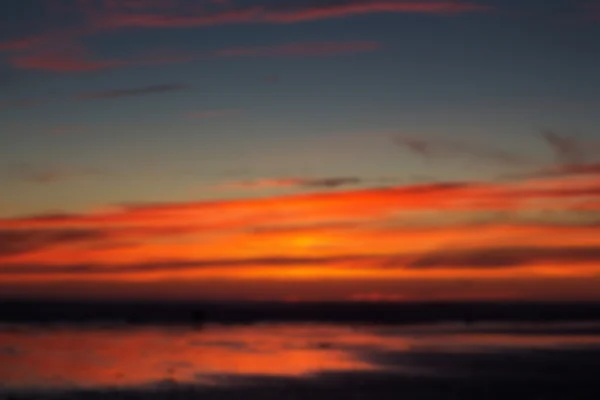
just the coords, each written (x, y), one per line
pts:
(300, 150)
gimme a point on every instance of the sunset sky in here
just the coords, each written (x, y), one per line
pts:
(300, 150)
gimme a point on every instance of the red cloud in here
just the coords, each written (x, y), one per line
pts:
(378, 297)
(575, 169)
(74, 58)
(25, 43)
(350, 8)
(107, 15)
(63, 62)
(286, 13)
(158, 20)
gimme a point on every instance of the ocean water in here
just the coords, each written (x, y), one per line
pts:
(301, 360)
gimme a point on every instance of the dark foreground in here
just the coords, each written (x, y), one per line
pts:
(540, 376)
(27, 311)
(299, 351)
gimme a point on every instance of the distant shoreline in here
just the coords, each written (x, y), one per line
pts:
(177, 313)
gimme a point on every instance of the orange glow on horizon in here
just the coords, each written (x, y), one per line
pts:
(421, 232)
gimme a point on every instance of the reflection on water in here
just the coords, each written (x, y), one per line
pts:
(68, 357)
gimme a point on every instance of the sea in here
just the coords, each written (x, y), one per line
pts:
(544, 353)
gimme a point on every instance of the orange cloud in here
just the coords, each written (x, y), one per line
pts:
(370, 203)
(403, 232)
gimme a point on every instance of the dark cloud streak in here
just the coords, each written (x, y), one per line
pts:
(473, 259)
(305, 183)
(506, 257)
(567, 150)
(15, 242)
(133, 92)
(453, 149)
(175, 265)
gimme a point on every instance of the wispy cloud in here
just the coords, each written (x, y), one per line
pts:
(280, 13)
(107, 15)
(77, 60)
(505, 257)
(24, 43)
(301, 49)
(567, 150)
(133, 92)
(461, 259)
(63, 61)
(592, 9)
(175, 265)
(311, 11)
(71, 58)
(580, 169)
(572, 156)
(33, 173)
(14, 242)
(369, 203)
(213, 113)
(455, 149)
(316, 183)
